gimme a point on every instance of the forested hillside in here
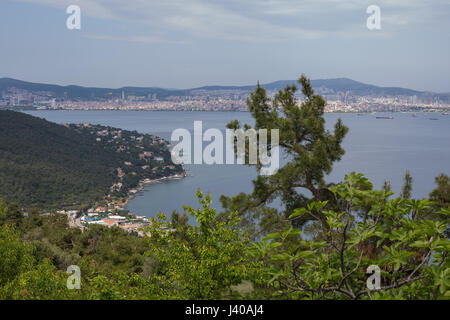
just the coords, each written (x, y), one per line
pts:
(46, 164)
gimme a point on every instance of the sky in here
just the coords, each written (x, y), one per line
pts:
(191, 43)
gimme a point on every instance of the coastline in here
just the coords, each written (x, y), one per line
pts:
(441, 110)
(133, 192)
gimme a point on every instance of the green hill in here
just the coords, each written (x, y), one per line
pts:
(49, 165)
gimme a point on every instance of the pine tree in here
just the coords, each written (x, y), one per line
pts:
(407, 187)
(310, 148)
(441, 194)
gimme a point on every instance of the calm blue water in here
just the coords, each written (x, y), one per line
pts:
(381, 149)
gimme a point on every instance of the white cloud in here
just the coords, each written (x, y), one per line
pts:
(133, 38)
(253, 20)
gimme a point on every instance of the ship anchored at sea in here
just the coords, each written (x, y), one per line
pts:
(384, 117)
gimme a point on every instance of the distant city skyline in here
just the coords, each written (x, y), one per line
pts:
(192, 43)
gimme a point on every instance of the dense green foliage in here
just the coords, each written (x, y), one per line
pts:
(44, 163)
(364, 229)
(205, 261)
(48, 165)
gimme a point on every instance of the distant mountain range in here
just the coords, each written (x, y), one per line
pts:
(322, 86)
(332, 85)
(79, 92)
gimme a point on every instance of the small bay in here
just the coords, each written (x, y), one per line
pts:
(382, 149)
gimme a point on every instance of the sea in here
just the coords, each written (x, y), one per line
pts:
(381, 149)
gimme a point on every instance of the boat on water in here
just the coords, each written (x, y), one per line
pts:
(385, 117)
(433, 119)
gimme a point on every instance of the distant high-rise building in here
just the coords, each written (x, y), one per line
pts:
(123, 95)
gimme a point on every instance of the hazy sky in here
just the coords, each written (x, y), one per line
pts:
(189, 43)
